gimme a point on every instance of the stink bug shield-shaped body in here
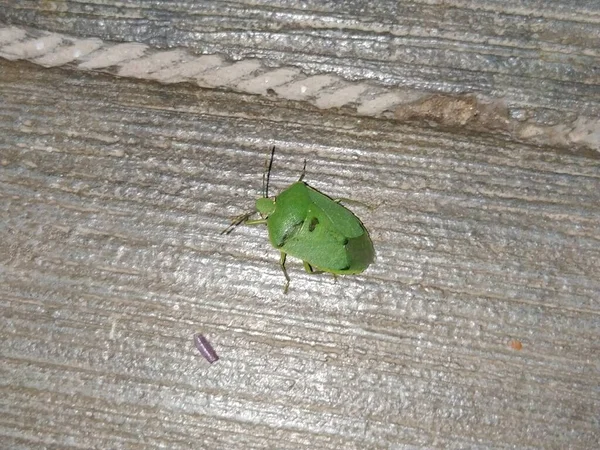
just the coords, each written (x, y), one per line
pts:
(307, 224)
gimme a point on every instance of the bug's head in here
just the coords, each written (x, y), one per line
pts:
(265, 206)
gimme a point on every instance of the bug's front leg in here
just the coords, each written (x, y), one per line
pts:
(238, 220)
(243, 219)
(287, 277)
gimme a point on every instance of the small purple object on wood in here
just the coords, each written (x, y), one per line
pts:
(205, 348)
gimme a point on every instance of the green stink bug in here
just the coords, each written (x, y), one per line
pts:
(307, 224)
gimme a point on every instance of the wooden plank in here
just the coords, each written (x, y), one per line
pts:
(535, 63)
(112, 197)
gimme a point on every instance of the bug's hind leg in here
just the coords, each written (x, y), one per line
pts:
(285, 274)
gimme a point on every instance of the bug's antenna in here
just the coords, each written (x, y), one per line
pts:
(303, 171)
(267, 173)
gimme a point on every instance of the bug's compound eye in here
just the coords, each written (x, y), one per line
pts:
(313, 224)
(265, 206)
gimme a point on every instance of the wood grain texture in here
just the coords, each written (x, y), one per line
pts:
(112, 197)
(478, 324)
(539, 57)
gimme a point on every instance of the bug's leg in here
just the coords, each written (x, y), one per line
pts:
(287, 277)
(255, 222)
(238, 220)
(335, 277)
(308, 267)
(243, 219)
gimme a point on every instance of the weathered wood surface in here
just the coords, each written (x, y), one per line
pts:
(532, 65)
(113, 193)
(112, 259)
